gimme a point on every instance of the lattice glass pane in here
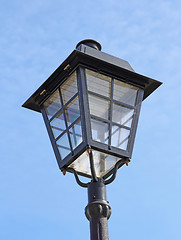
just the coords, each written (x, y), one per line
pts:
(122, 115)
(103, 163)
(72, 111)
(58, 124)
(63, 146)
(99, 106)
(69, 88)
(52, 104)
(98, 83)
(119, 137)
(125, 93)
(100, 131)
(76, 134)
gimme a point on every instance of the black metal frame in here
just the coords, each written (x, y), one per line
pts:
(80, 59)
(86, 125)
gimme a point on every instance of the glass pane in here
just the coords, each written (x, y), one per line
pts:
(122, 115)
(82, 164)
(52, 104)
(58, 124)
(69, 88)
(76, 134)
(100, 131)
(125, 93)
(110, 162)
(98, 83)
(103, 163)
(99, 106)
(119, 137)
(72, 111)
(63, 146)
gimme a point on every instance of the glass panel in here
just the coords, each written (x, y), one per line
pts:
(98, 83)
(69, 88)
(76, 134)
(122, 115)
(82, 164)
(99, 106)
(110, 163)
(72, 111)
(58, 124)
(103, 163)
(52, 104)
(125, 93)
(100, 131)
(63, 146)
(120, 137)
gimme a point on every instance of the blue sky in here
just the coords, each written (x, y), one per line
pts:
(36, 200)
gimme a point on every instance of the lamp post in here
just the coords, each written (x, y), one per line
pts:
(91, 106)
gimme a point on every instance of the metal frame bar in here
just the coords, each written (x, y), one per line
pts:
(69, 101)
(80, 75)
(77, 179)
(108, 121)
(52, 140)
(85, 104)
(66, 148)
(93, 172)
(111, 112)
(66, 123)
(119, 164)
(117, 152)
(109, 99)
(135, 120)
(81, 148)
(75, 134)
(71, 125)
(57, 128)
(120, 77)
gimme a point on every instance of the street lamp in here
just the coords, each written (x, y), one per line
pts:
(91, 106)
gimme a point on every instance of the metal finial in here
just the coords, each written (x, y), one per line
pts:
(91, 43)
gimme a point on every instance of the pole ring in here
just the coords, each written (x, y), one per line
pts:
(98, 209)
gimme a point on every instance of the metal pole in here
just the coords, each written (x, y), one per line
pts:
(98, 211)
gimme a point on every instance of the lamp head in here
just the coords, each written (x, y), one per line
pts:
(92, 100)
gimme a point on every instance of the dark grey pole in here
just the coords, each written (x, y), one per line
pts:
(98, 211)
